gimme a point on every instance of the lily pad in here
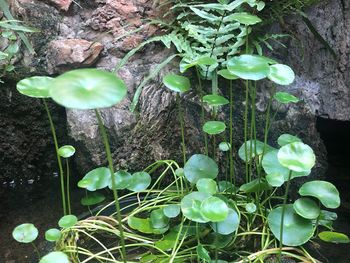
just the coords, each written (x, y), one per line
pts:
(171, 211)
(281, 74)
(200, 166)
(66, 151)
(53, 235)
(122, 180)
(297, 157)
(214, 209)
(214, 127)
(285, 98)
(35, 87)
(285, 139)
(229, 225)
(177, 83)
(307, 208)
(25, 233)
(67, 221)
(92, 199)
(296, 229)
(87, 89)
(139, 182)
(334, 237)
(55, 257)
(215, 100)
(207, 185)
(191, 206)
(96, 179)
(224, 146)
(324, 191)
(249, 67)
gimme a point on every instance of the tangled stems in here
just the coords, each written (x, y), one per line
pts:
(52, 126)
(115, 194)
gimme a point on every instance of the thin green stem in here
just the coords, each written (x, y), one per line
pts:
(181, 118)
(53, 131)
(232, 176)
(115, 193)
(68, 187)
(246, 131)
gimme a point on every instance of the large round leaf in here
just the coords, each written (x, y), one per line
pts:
(297, 157)
(229, 225)
(214, 209)
(87, 89)
(25, 233)
(296, 230)
(66, 151)
(214, 127)
(200, 166)
(191, 206)
(96, 179)
(55, 257)
(36, 87)
(67, 221)
(215, 100)
(92, 199)
(122, 180)
(334, 237)
(249, 67)
(306, 208)
(139, 182)
(324, 191)
(207, 185)
(176, 83)
(285, 98)
(286, 139)
(281, 74)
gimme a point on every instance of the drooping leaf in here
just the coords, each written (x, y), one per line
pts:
(200, 166)
(191, 206)
(215, 100)
(96, 179)
(167, 242)
(171, 211)
(67, 221)
(25, 233)
(307, 208)
(177, 83)
(92, 199)
(324, 191)
(55, 257)
(214, 127)
(281, 74)
(87, 89)
(66, 151)
(296, 229)
(207, 185)
(36, 87)
(229, 225)
(53, 235)
(214, 209)
(122, 180)
(334, 237)
(203, 253)
(285, 97)
(286, 139)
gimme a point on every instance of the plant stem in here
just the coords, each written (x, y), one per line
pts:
(52, 126)
(36, 250)
(115, 194)
(232, 176)
(67, 187)
(285, 198)
(246, 131)
(181, 118)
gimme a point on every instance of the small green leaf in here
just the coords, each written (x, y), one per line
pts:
(53, 235)
(191, 206)
(25, 233)
(203, 253)
(139, 182)
(171, 211)
(66, 151)
(214, 209)
(179, 172)
(306, 208)
(36, 87)
(255, 186)
(257, 149)
(324, 191)
(286, 139)
(122, 180)
(55, 257)
(281, 74)
(284, 97)
(144, 226)
(177, 83)
(67, 221)
(158, 219)
(84, 183)
(225, 73)
(96, 179)
(215, 100)
(334, 237)
(229, 225)
(207, 185)
(214, 127)
(92, 199)
(243, 18)
(200, 166)
(250, 208)
(224, 146)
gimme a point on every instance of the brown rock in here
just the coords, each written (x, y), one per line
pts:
(124, 7)
(71, 53)
(61, 4)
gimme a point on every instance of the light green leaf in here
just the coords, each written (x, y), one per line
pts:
(285, 97)
(229, 225)
(243, 18)
(53, 235)
(67, 221)
(334, 237)
(200, 166)
(92, 199)
(177, 83)
(36, 87)
(214, 209)
(25, 233)
(55, 257)
(224, 146)
(214, 127)
(306, 208)
(66, 151)
(286, 139)
(122, 180)
(281, 74)
(171, 211)
(191, 206)
(215, 100)
(207, 185)
(139, 182)
(96, 179)
(203, 253)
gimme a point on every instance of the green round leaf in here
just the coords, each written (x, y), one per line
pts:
(306, 208)
(334, 237)
(53, 235)
(281, 74)
(297, 157)
(249, 67)
(96, 179)
(55, 257)
(122, 180)
(36, 87)
(215, 100)
(214, 209)
(284, 97)
(224, 146)
(244, 18)
(324, 191)
(87, 89)
(139, 182)
(250, 208)
(177, 83)
(227, 75)
(191, 206)
(158, 219)
(207, 185)
(229, 225)
(180, 172)
(92, 199)
(66, 151)
(296, 230)
(67, 221)
(285, 139)
(25, 233)
(257, 149)
(171, 211)
(200, 166)
(214, 127)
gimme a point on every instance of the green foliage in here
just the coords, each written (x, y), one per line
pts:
(25, 233)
